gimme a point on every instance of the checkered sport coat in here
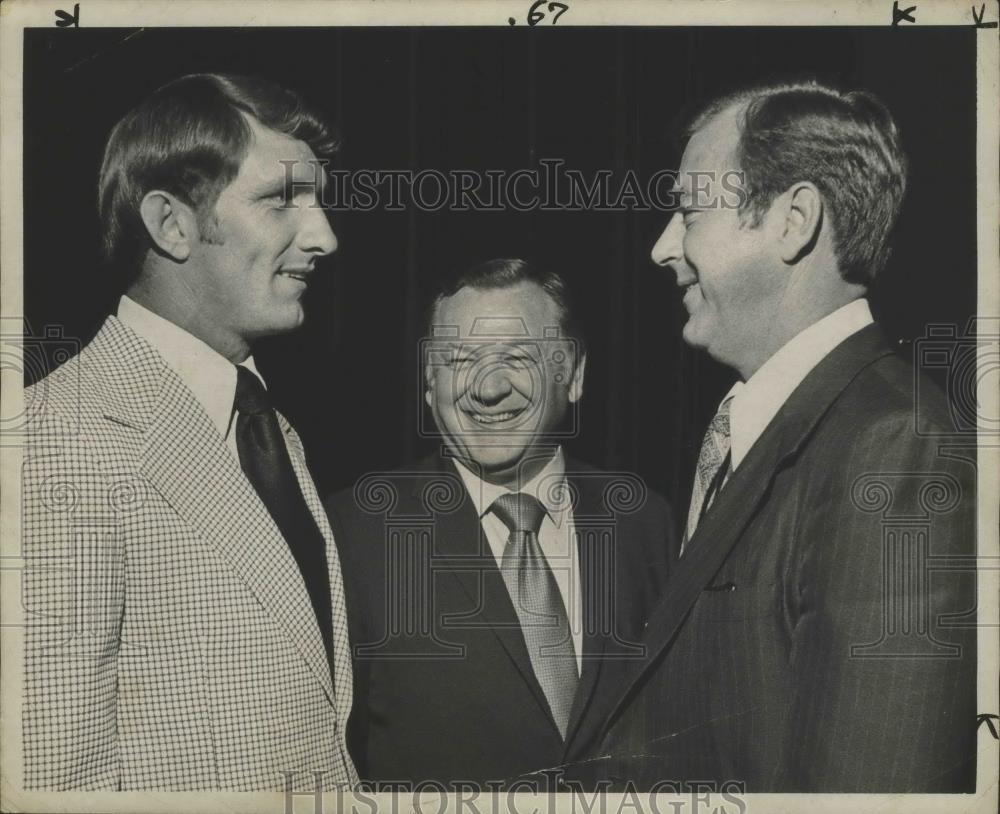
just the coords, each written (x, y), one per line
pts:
(170, 642)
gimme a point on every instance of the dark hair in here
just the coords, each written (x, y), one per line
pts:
(846, 143)
(189, 138)
(508, 272)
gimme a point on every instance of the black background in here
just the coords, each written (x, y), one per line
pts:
(499, 98)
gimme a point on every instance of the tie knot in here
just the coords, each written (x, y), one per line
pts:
(720, 421)
(251, 397)
(519, 512)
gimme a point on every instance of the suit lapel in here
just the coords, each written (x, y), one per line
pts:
(341, 646)
(462, 549)
(596, 574)
(739, 502)
(177, 440)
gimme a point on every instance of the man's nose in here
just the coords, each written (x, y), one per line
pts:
(669, 248)
(315, 234)
(490, 386)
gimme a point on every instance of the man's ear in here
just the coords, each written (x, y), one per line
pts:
(171, 223)
(576, 382)
(802, 215)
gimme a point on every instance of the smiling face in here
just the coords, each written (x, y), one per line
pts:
(251, 267)
(729, 271)
(500, 377)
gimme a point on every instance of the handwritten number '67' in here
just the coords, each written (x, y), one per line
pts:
(535, 16)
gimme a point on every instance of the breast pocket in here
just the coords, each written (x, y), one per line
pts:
(728, 601)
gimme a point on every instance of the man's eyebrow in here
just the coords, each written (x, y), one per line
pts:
(283, 183)
(270, 189)
(682, 190)
(321, 178)
(485, 343)
(440, 344)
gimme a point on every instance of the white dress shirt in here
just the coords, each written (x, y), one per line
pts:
(758, 400)
(209, 375)
(556, 537)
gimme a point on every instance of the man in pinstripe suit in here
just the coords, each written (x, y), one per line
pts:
(801, 644)
(185, 616)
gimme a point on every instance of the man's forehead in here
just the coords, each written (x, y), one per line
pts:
(522, 318)
(712, 147)
(510, 330)
(272, 155)
(523, 309)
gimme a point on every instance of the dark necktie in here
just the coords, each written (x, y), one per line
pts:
(714, 468)
(265, 460)
(539, 606)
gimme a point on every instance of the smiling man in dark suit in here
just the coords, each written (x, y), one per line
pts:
(802, 643)
(489, 585)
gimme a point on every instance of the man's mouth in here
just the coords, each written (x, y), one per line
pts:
(489, 419)
(691, 292)
(301, 275)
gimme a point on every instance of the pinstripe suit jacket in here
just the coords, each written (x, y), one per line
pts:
(800, 645)
(170, 640)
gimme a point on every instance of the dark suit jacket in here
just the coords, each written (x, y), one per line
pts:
(444, 688)
(800, 645)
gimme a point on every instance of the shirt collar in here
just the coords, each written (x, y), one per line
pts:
(756, 402)
(546, 486)
(209, 376)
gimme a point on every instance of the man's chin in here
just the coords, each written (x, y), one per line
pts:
(296, 316)
(694, 334)
(512, 473)
(290, 319)
(492, 468)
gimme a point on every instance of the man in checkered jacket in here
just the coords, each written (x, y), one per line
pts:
(185, 615)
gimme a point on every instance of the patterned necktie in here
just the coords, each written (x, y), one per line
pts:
(538, 604)
(709, 477)
(265, 460)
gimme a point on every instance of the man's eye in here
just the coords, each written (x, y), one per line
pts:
(280, 201)
(519, 361)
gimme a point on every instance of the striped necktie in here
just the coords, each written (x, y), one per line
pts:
(714, 468)
(538, 604)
